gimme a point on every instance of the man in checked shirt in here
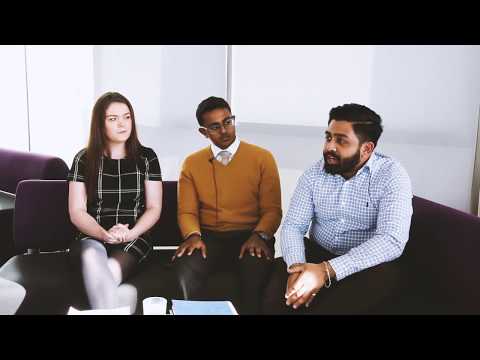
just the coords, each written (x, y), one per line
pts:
(358, 205)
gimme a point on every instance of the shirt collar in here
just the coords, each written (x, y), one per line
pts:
(370, 164)
(232, 149)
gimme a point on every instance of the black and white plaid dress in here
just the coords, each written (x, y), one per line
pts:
(120, 195)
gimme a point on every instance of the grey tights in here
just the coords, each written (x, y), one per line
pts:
(102, 276)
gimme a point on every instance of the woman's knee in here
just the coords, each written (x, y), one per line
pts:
(122, 264)
(86, 251)
(77, 250)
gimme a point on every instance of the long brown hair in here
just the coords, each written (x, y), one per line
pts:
(97, 142)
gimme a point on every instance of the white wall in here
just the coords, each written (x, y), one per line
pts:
(429, 97)
(298, 84)
(60, 93)
(430, 93)
(13, 98)
(135, 72)
(191, 74)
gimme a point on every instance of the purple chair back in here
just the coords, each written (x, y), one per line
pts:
(16, 166)
(41, 219)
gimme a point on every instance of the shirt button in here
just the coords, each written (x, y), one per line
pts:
(343, 203)
(342, 221)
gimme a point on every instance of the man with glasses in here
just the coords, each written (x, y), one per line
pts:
(229, 208)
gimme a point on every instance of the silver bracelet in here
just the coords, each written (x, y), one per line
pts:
(328, 274)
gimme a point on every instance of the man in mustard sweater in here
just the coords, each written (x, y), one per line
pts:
(229, 208)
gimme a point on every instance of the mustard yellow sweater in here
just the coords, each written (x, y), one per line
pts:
(243, 195)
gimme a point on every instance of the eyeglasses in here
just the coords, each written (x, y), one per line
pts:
(226, 123)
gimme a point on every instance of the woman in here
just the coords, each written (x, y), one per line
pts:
(115, 198)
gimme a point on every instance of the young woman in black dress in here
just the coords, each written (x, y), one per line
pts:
(115, 198)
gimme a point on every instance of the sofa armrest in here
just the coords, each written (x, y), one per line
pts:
(442, 253)
(41, 219)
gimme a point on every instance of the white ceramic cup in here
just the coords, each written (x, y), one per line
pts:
(155, 306)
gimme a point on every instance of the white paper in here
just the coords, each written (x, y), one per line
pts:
(125, 310)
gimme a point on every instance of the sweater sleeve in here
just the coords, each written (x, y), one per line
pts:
(188, 216)
(270, 201)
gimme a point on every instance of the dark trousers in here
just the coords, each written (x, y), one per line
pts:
(359, 293)
(223, 250)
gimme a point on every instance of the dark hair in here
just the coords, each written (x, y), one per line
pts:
(366, 123)
(97, 141)
(210, 104)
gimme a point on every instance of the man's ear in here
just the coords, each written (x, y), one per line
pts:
(203, 132)
(368, 147)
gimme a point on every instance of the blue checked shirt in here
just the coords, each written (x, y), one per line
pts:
(364, 220)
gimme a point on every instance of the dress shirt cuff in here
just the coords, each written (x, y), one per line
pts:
(342, 265)
(292, 258)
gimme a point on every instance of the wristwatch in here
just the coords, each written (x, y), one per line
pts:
(262, 235)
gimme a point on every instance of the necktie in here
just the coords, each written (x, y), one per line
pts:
(224, 157)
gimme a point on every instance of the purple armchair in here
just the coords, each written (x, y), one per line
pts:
(16, 166)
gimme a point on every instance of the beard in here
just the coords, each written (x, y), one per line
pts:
(343, 166)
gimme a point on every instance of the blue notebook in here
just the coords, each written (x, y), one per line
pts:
(189, 307)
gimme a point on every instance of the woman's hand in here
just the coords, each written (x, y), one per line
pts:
(120, 234)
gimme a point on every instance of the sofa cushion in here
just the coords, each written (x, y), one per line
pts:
(166, 231)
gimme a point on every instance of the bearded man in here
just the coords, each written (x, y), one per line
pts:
(357, 204)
